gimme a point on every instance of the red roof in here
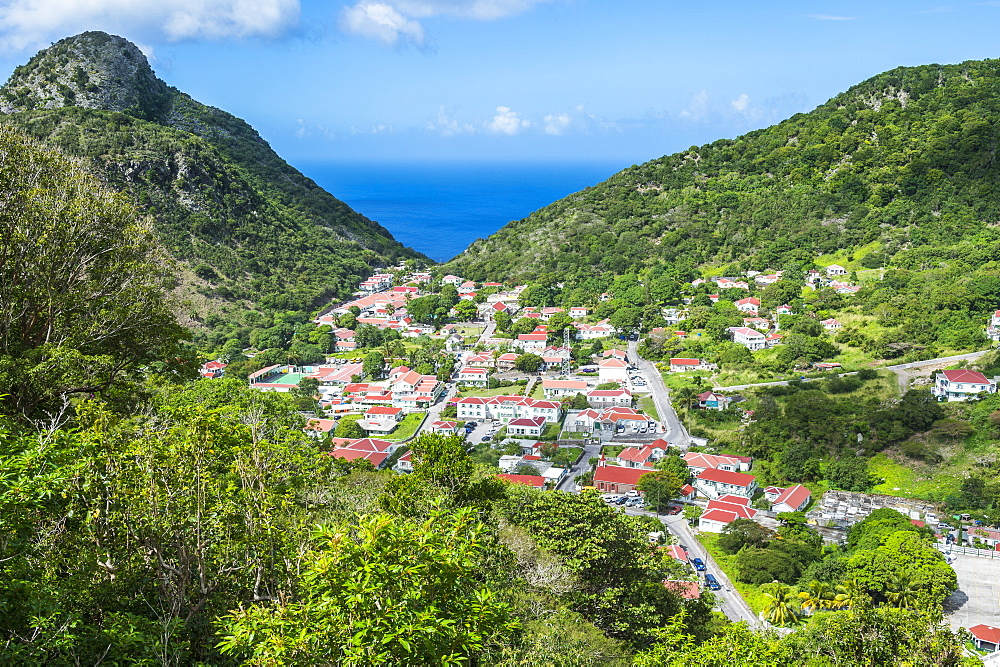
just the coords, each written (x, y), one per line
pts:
(536, 481)
(675, 552)
(618, 474)
(687, 490)
(965, 375)
(383, 410)
(684, 362)
(689, 590)
(726, 477)
(739, 510)
(986, 633)
(719, 516)
(794, 496)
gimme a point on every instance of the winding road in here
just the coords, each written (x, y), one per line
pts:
(675, 433)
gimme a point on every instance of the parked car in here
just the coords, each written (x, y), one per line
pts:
(486, 438)
(712, 582)
(699, 564)
(610, 497)
(637, 503)
(472, 424)
(622, 500)
(674, 510)
(632, 494)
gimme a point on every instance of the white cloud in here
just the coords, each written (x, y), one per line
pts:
(393, 21)
(507, 122)
(33, 23)
(697, 108)
(741, 103)
(382, 23)
(828, 17)
(448, 126)
(556, 124)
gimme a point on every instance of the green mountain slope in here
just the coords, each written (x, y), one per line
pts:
(246, 226)
(904, 164)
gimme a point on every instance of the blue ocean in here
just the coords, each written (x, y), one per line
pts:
(439, 208)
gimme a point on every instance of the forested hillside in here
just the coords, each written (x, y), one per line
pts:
(903, 165)
(246, 226)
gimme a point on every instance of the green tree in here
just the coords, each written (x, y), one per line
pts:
(374, 364)
(528, 362)
(743, 532)
(421, 600)
(781, 604)
(82, 285)
(659, 488)
(349, 428)
(465, 311)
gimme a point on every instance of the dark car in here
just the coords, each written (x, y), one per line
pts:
(622, 500)
(674, 510)
(712, 582)
(699, 564)
(472, 424)
(486, 438)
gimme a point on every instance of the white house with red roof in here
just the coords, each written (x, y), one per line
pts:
(476, 377)
(532, 342)
(784, 309)
(615, 353)
(612, 370)
(962, 384)
(699, 461)
(792, 499)
(759, 323)
(688, 493)
(405, 462)
(591, 331)
(836, 270)
(213, 369)
(506, 361)
(505, 408)
(714, 483)
(724, 510)
(605, 398)
(986, 637)
(380, 419)
(831, 324)
(680, 365)
(578, 311)
(556, 389)
(374, 451)
(751, 304)
(530, 427)
(443, 427)
(640, 457)
(748, 338)
(616, 479)
(772, 339)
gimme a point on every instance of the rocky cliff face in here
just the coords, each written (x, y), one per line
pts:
(224, 203)
(93, 70)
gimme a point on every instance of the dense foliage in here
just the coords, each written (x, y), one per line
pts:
(905, 161)
(249, 227)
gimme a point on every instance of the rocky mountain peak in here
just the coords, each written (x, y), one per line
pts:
(93, 70)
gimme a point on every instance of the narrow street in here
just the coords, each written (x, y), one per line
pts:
(730, 602)
(568, 482)
(675, 433)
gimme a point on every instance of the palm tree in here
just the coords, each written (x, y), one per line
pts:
(782, 605)
(901, 593)
(817, 595)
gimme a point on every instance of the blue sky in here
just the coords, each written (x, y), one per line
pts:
(624, 80)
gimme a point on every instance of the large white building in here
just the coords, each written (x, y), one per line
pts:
(506, 408)
(961, 385)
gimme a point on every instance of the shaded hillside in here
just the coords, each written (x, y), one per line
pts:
(249, 226)
(904, 163)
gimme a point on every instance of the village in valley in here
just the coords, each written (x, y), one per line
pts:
(576, 399)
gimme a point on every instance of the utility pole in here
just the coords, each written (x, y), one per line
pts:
(565, 362)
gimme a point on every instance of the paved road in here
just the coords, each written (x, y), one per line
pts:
(730, 602)
(895, 368)
(567, 483)
(675, 433)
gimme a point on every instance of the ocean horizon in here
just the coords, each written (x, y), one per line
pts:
(440, 207)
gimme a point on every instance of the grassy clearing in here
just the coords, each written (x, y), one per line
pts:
(752, 594)
(911, 479)
(647, 405)
(406, 428)
(537, 391)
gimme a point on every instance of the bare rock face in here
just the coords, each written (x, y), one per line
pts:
(93, 70)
